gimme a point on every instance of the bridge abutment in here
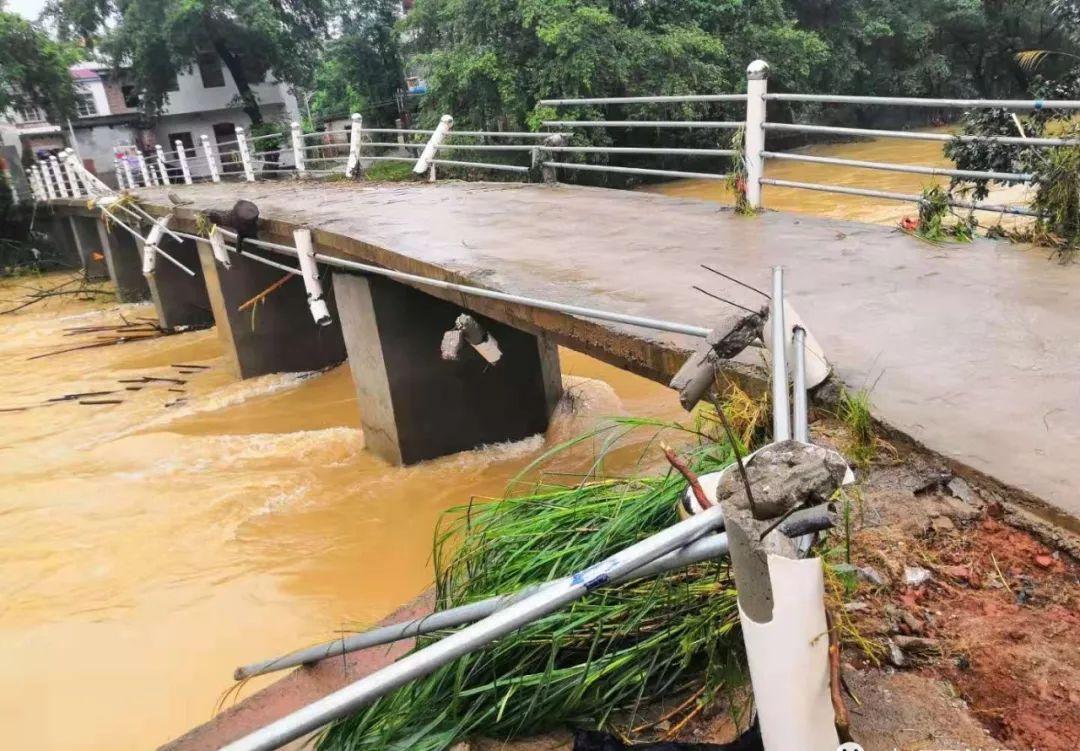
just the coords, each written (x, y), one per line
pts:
(124, 263)
(414, 405)
(89, 246)
(275, 335)
(180, 299)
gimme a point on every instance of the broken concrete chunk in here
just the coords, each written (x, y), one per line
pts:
(698, 373)
(453, 342)
(871, 575)
(960, 489)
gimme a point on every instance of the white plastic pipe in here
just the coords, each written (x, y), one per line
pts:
(58, 176)
(298, 148)
(309, 270)
(446, 122)
(217, 246)
(143, 169)
(757, 86)
(354, 145)
(150, 247)
(788, 658)
(184, 169)
(245, 156)
(214, 176)
(162, 167)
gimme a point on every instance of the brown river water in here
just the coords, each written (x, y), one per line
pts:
(149, 547)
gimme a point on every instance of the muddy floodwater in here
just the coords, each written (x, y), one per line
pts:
(147, 547)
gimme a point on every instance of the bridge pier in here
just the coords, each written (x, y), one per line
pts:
(88, 243)
(62, 235)
(278, 335)
(179, 298)
(124, 263)
(414, 405)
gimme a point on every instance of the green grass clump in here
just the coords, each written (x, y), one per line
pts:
(934, 209)
(855, 414)
(389, 172)
(615, 650)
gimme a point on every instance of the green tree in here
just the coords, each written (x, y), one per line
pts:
(34, 68)
(361, 70)
(156, 39)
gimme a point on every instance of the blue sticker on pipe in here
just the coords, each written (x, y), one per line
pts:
(595, 576)
(1038, 104)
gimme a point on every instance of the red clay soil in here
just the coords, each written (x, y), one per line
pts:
(1017, 657)
(1002, 614)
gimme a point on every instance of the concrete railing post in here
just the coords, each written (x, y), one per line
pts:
(72, 178)
(400, 126)
(182, 156)
(298, 148)
(46, 177)
(757, 84)
(143, 170)
(36, 185)
(442, 130)
(163, 169)
(58, 176)
(245, 155)
(125, 162)
(210, 161)
(305, 253)
(354, 145)
(119, 174)
(541, 154)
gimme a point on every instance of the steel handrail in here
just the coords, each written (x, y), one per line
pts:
(917, 136)
(636, 170)
(892, 167)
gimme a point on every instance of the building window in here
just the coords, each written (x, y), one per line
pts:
(213, 76)
(84, 104)
(185, 140)
(30, 114)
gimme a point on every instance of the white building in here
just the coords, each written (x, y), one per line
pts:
(205, 101)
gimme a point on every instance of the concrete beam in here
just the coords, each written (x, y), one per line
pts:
(89, 245)
(277, 335)
(414, 405)
(124, 262)
(181, 300)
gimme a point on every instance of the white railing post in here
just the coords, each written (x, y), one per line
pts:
(46, 177)
(58, 175)
(125, 162)
(182, 155)
(757, 85)
(354, 145)
(37, 185)
(210, 161)
(72, 177)
(154, 179)
(150, 247)
(142, 169)
(162, 168)
(305, 252)
(426, 157)
(119, 174)
(298, 148)
(245, 156)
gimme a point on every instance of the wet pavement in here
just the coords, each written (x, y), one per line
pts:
(969, 349)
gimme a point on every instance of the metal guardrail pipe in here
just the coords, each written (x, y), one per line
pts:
(645, 99)
(401, 276)
(800, 408)
(1014, 104)
(424, 661)
(914, 135)
(481, 165)
(815, 519)
(716, 124)
(781, 406)
(636, 170)
(890, 195)
(1018, 177)
(638, 150)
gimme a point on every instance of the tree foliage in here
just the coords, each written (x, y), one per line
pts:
(34, 68)
(361, 70)
(157, 39)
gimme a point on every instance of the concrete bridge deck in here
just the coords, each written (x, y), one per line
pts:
(971, 349)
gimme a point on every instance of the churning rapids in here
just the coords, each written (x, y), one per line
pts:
(150, 546)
